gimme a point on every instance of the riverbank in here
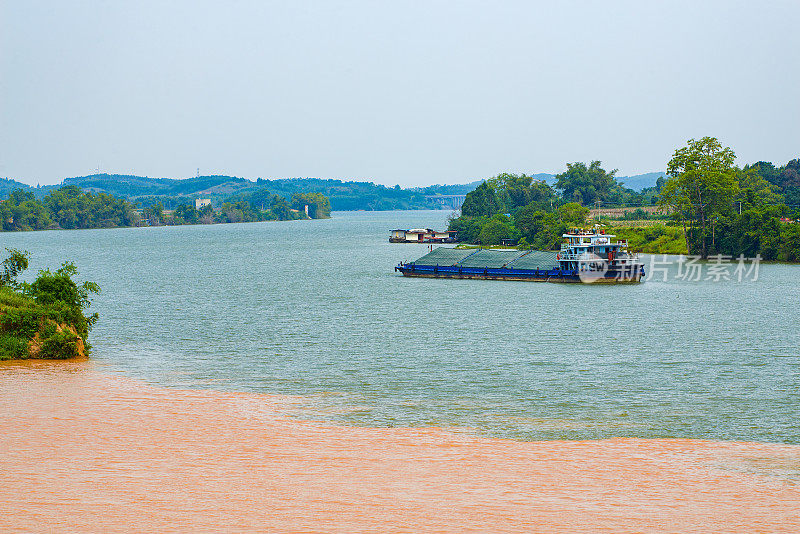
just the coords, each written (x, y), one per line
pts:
(85, 451)
(647, 239)
(652, 239)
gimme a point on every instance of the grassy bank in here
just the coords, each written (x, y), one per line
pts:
(32, 330)
(656, 239)
(651, 239)
(43, 319)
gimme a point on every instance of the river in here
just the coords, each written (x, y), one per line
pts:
(314, 308)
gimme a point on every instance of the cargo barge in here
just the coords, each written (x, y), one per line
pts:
(588, 256)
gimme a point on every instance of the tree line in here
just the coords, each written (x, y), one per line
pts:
(72, 208)
(170, 193)
(67, 208)
(257, 207)
(721, 208)
(724, 209)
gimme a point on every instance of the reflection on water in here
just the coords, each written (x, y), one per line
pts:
(307, 307)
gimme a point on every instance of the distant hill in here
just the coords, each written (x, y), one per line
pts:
(638, 182)
(549, 179)
(170, 192)
(132, 187)
(343, 195)
(458, 189)
(7, 186)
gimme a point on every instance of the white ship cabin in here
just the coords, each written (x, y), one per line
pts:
(587, 245)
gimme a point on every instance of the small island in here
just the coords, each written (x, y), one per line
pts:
(43, 319)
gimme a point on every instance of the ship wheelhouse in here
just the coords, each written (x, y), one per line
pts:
(594, 250)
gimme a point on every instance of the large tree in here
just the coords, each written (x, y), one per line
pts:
(482, 202)
(507, 193)
(319, 207)
(701, 187)
(513, 190)
(586, 184)
(496, 229)
(790, 182)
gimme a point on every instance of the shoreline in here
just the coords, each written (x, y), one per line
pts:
(59, 229)
(90, 451)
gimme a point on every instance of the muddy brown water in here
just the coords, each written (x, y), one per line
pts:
(85, 451)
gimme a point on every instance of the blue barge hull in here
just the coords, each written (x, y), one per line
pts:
(529, 275)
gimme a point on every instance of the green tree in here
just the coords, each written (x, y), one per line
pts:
(319, 207)
(586, 184)
(789, 181)
(43, 319)
(496, 229)
(186, 214)
(756, 231)
(506, 193)
(701, 187)
(280, 208)
(18, 196)
(30, 215)
(543, 195)
(573, 214)
(207, 212)
(59, 289)
(755, 190)
(482, 202)
(15, 264)
(544, 230)
(790, 243)
(512, 190)
(786, 179)
(467, 228)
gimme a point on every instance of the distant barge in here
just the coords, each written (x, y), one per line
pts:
(588, 256)
(421, 235)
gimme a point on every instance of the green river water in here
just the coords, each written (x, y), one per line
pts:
(313, 308)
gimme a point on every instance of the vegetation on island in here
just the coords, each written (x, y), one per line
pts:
(45, 318)
(704, 206)
(72, 208)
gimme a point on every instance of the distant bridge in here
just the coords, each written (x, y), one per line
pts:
(447, 201)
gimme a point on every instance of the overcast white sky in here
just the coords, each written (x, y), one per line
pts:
(394, 92)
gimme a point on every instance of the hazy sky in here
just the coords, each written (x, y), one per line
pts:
(394, 92)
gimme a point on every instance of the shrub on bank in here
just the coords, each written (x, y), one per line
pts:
(44, 319)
